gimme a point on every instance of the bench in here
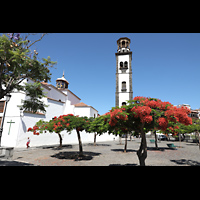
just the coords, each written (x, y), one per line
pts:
(6, 152)
(171, 145)
(152, 141)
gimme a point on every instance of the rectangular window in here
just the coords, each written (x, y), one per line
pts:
(123, 86)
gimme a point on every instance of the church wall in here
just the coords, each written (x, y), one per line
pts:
(55, 94)
(54, 109)
(68, 108)
(29, 120)
(82, 111)
(93, 112)
(15, 101)
(72, 98)
(26, 121)
(10, 130)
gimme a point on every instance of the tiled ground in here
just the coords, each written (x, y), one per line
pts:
(107, 154)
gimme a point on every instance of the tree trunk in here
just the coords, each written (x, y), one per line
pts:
(80, 144)
(156, 144)
(125, 146)
(142, 152)
(60, 140)
(95, 135)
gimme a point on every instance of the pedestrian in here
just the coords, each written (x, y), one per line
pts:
(28, 142)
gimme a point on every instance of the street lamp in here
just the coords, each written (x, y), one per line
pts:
(8, 96)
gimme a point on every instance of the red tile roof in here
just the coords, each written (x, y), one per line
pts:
(81, 104)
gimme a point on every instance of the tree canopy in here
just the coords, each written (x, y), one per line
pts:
(143, 114)
(18, 62)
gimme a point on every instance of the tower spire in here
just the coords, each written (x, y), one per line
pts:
(63, 74)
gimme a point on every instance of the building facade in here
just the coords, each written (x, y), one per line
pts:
(124, 90)
(60, 101)
(195, 113)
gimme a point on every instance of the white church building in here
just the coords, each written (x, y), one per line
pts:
(60, 101)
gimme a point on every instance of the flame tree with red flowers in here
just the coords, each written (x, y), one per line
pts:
(64, 122)
(144, 114)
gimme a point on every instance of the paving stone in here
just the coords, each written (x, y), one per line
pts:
(108, 154)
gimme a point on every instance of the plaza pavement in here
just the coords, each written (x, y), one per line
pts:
(106, 154)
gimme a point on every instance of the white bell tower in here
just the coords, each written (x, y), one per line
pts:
(124, 90)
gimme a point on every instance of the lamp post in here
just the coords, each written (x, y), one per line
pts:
(8, 96)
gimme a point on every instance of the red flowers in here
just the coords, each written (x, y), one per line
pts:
(163, 123)
(165, 115)
(152, 103)
(35, 133)
(116, 115)
(179, 115)
(29, 129)
(35, 128)
(142, 112)
(148, 119)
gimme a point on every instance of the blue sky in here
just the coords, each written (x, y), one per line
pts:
(164, 65)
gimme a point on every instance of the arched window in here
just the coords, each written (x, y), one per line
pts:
(123, 103)
(124, 86)
(121, 64)
(126, 64)
(123, 44)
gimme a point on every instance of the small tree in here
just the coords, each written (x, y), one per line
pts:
(98, 126)
(194, 128)
(63, 122)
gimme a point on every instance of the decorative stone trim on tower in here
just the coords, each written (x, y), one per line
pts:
(124, 89)
(130, 78)
(117, 84)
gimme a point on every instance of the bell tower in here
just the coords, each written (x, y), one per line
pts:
(62, 83)
(124, 90)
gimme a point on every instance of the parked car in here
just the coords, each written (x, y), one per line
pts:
(162, 137)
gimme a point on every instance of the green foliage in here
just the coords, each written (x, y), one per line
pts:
(18, 62)
(194, 127)
(63, 122)
(34, 103)
(99, 125)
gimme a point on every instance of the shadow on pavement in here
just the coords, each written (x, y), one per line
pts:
(123, 165)
(13, 163)
(122, 150)
(159, 149)
(92, 144)
(186, 162)
(87, 155)
(57, 147)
